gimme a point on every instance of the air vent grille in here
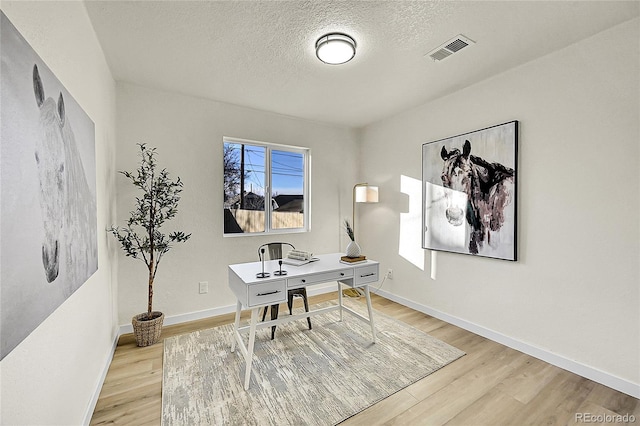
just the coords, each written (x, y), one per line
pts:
(457, 45)
(450, 47)
(441, 54)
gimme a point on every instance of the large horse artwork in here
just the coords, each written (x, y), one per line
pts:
(68, 208)
(469, 192)
(484, 185)
(48, 216)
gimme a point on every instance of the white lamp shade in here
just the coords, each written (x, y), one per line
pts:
(366, 194)
(335, 49)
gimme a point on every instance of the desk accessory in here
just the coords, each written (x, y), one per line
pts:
(298, 262)
(299, 257)
(353, 249)
(262, 274)
(280, 271)
(352, 260)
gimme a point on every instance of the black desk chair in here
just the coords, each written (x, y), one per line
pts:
(274, 252)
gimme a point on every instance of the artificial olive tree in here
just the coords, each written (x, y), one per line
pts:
(142, 238)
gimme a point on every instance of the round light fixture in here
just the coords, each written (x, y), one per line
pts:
(335, 48)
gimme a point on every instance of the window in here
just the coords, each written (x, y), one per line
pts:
(265, 188)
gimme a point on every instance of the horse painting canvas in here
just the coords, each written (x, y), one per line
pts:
(469, 193)
(48, 191)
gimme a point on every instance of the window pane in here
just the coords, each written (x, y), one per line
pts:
(287, 177)
(244, 184)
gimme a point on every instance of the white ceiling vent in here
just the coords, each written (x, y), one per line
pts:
(452, 46)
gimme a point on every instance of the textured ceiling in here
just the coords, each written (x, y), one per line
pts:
(260, 54)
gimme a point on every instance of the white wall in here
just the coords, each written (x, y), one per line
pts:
(188, 134)
(52, 376)
(574, 290)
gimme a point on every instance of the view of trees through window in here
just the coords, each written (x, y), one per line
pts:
(250, 169)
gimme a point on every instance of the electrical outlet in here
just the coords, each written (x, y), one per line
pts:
(390, 273)
(204, 287)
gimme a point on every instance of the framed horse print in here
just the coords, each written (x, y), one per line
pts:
(48, 191)
(469, 192)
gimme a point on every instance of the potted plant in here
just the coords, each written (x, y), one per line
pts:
(142, 238)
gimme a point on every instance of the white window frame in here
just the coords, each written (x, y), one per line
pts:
(269, 147)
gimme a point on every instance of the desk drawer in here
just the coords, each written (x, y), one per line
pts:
(319, 278)
(267, 293)
(366, 274)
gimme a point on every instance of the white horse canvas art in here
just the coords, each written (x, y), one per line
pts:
(65, 201)
(48, 245)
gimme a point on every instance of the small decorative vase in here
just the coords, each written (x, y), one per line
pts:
(353, 249)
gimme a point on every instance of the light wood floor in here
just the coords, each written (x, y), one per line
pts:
(491, 385)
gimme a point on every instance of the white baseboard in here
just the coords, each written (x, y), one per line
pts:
(576, 367)
(96, 394)
(190, 316)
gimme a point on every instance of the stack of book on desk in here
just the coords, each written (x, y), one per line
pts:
(352, 260)
(298, 257)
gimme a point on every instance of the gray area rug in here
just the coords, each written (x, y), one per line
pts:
(303, 377)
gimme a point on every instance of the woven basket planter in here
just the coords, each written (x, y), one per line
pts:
(147, 332)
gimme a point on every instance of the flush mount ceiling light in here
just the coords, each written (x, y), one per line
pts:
(335, 48)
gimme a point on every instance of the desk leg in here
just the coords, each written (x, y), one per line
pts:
(236, 326)
(252, 340)
(370, 308)
(340, 298)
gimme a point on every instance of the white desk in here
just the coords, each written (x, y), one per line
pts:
(254, 293)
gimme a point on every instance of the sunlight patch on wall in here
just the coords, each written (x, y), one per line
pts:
(410, 245)
(445, 218)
